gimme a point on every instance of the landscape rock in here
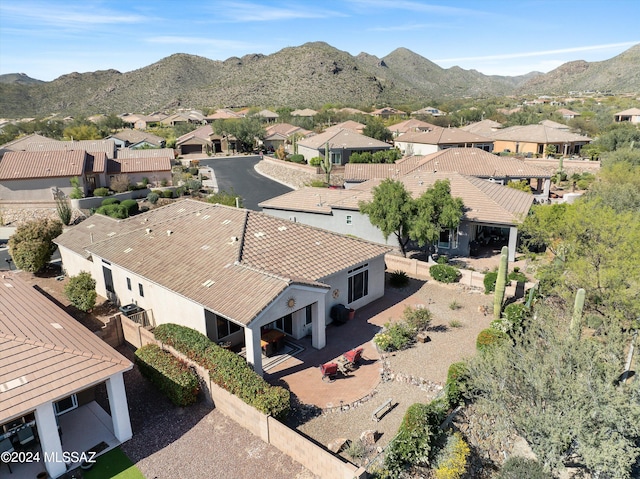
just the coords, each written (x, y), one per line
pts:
(337, 444)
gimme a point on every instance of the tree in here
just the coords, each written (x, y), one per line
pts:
(246, 131)
(82, 132)
(375, 129)
(81, 291)
(31, 246)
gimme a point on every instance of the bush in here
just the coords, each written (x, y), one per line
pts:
(167, 193)
(394, 337)
(413, 445)
(131, 206)
(456, 383)
(227, 369)
(398, 279)
(101, 192)
(297, 159)
(517, 276)
(490, 282)
(31, 246)
(444, 273)
(153, 198)
(417, 319)
(120, 183)
(63, 208)
(317, 184)
(513, 315)
(487, 338)
(110, 201)
(114, 211)
(315, 161)
(519, 467)
(452, 459)
(81, 291)
(170, 375)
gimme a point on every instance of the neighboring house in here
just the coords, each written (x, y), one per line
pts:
(492, 211)
(466, 161)
(51, 365)
(348, 125)
(410, 125)
(203, 141)
(268, 116)
(483, 128)
(534, 140)
(142, 122)
(429, 110)
(191, 116)
(108, 147)
(556, 125)
(222, 114)
(351, 111)
(229, 273)
(424, 143)
(154, 165)
(341, 144)
(387, 112)
(22, 143)
(41, 175)
(307, 113)
(567, 114)
(278, 134)
(632, 115)
(136, 139)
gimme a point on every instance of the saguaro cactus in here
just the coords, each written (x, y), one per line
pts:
(326, 163)
(576, 319)
(501, 283)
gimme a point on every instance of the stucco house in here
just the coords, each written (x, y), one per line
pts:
(230, 273)
(154, 165)
(135, 139)
(483, 128)
(492, 211)
(203, 141)
(567, 114)
(429, 110)
(342, 143)
(410, 125)
(305, 112)
(22, 143)
(50, 367)
(348, 125)
(631, 115)
(278, 134)
(388, 112)
(467, 161)
(426, 142)
(534, 140)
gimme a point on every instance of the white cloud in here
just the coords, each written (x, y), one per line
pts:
(414, 7)
(408, 27)
(253, 12)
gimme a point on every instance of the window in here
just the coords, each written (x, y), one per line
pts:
(336, 158)
(448, 239)
(349, 220)
(65, 405)
(225, 327)
(358, 283)
(129, 284)
(141, 290)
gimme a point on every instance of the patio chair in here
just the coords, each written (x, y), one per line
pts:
(352, 358)
(329, 370)
(26, 436)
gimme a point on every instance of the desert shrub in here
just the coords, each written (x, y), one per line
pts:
(519, 467)
(398, 279)
(418, 432)
(514, 314)
(442, 259)
(488, 338)
(31, 246)
(490, 282)
(355, 449)
(167, 193)
(170, 375)
(101, 192)
(193, 171)
(517, 276)
(315, 161)
(227, 369)
(454, 323)
(77, 192)
(454, 305)
(364, 157)
(153, 198)
(593, 321)
(110, 201)
(120, 183)
(394, 337)
(417, 319)
(317, 184)
(164, 182)
(63, 208)
(444, 273)
(297, 158)
(81, 291)
(456, 383)
(131, 206)
(452, 459)
(114, 211)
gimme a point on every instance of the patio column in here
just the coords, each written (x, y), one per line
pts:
(253, 349)
(318, 324)
(513, 241)
(119, 409)
(50, 440)
(547, 187)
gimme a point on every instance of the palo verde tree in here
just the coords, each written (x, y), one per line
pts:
(394, 211)
(31, 246)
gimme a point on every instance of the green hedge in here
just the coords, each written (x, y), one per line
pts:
(227, 369)
(444, 273)
(490, 282)
(101, 192)
(131, 206)
(114, 211)
(170, 375)
(456, 383)
(110, 201)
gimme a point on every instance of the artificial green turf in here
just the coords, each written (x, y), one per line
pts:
(113, 465)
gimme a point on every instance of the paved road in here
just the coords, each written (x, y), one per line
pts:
(238, 174)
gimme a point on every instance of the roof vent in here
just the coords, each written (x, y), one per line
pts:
(206, 217)
(208, 283)
(169, 232)
(259, 234)
(14, 383)
(91, 225)
(226, 222)
(234, 239)
(128, 250)
(282, 228)
(57, 325)
(148, 230)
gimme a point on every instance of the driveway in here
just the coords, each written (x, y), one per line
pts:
(238, 174)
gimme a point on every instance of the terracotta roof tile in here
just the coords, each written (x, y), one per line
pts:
(18, 165)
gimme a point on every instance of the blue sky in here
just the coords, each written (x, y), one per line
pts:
(46, 39)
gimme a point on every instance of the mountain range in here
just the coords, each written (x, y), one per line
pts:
(309, 75)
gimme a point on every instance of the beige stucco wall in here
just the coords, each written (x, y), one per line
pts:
(37, 189)
(408, 149)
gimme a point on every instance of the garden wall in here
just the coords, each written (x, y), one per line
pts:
(96, 201)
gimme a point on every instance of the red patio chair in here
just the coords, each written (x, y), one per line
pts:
(329, 370)
(353, 357)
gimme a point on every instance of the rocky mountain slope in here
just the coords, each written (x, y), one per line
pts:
(309, 75)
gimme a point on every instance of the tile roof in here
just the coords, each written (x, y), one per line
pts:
(90, 146)
(482, 128)
(19, 165)
(538, 134)
(285, 129)
(349, 125)
(21, 143)
(267, 114)
(443, 136)
(224, 248)
(137, 136)
(629, 112)
(304, 112)
(136, 161)
(555, 124)
(411, 125)
(223, 114)
(343, 139)
(54, 354)
(355, 172)
(204, 132)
